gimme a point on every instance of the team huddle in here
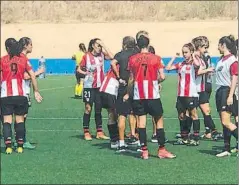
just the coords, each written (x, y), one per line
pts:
(131, 89)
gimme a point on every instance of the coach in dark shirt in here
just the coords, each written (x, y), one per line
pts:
(120, 67)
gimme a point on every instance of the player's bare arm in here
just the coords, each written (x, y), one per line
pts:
(232, 89)
(37, 95)
(202, 70)
(107, 52)
(129, 87)
(114, 67)
(37, 73)
(170, 65)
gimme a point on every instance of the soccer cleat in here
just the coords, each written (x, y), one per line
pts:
(154, 139)
(121, 149)
(224, 154)
(87, 136)
(234, 150)
(133, 140)
(8, 150)
(114, 144)
(19, 150)
(181, 141)
(192, 142)
(206, 136)
(28, 145)
(144, 154)
(178, 136)
(163, 153)
(101, 135)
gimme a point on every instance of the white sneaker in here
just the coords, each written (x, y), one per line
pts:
(114, 145)
(224, 154)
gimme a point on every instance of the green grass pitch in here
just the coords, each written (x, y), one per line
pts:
(63, 157)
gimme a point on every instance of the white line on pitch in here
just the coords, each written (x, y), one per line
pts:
(92, 118)
(55, 88)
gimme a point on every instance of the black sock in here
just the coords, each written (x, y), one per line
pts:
(184, 129)
(227, 138)
(113, 132)
(235, 133)
(20, 134)
(98, 122)
(7, 134)
(189, 122)
(143, 138)
(208, 122)
(161, 137)
(196, 129)
(86, 122)
(24, 136)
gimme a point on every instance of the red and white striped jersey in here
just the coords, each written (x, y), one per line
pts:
(186, 80)
(225, 69)
(144, 68)
(94, 65)
(200, 79)
(12, 81)
(110, 84)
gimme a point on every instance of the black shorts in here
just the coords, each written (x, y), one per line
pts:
(123, 108)
(143, 107)
(17, 105)
(108, 100)
(78, 75)
(221, 100)
(186, 103)
(91, 95)
(208, 89)
(235, 108)
(203, 97)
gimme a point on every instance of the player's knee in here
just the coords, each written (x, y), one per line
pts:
(194, 115)
(206, 109)
(182, 116)
(87, 109)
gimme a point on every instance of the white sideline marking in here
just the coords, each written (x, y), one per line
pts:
(49, 89)
(77, 130)
(92, 118)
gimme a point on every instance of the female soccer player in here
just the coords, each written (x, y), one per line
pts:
(109, 92)
(226, 82)
(78, 58)
(92, 67)
(25, 44)
(13, 93)
(200, 49)
(187, 99)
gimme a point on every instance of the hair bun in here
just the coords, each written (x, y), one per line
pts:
(232, 38)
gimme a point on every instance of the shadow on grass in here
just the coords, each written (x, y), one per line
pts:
(214, 151)
(131, 151)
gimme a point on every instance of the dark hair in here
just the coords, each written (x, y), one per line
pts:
(143, 42)
(230, 43)
(24, 41)
(190, 46)
(12, 47)
(92, 41)
(142, 32)
(198, 42)
(151, 49)
(129, 42)
(205, 40)
(82, 47)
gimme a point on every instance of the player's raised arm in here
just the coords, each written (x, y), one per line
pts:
(170, 65)
(107, 52)
(37, 95)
